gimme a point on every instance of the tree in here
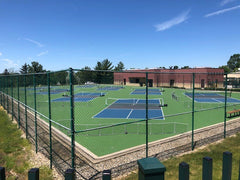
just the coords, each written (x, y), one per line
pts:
(5, 72)
(85, 75)
(234, 62)
(226, 69)
(104, 77)
(24, 69)
(119, 67)
(35, 67)
(175, 67)
(185, 67)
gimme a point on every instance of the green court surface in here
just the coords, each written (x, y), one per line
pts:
(177, 115)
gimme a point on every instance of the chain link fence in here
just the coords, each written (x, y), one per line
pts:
(106, 112)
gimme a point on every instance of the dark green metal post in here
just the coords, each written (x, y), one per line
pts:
(7, 96)
(50, 119)
(35, 112)
(2, 173)
(26, 119)
(12, 94)
(207, 168)
(227, 166)
(225, 107)
(107, 174)
(239, 172)
(69, 174)
(146, 114)
(1, 88)
(72, 118)
(33, 174)
(19, 123)
(4, 90)
(183, 171)
(193, 109)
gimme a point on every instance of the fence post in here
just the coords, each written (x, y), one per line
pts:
(25, 94)
(183, 171)
(72, 118)
(106, 175)
(193, 109)
(33, 174)
(69, 174)
(7, 96)
(35, 112)
(146, 114)
(225, 107)
(239, 172)
(2, 173)
(12, 95)
(19, 124)
(227, 166)
(49, 119)
(207, 168)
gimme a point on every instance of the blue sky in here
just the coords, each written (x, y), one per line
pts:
(141, 33)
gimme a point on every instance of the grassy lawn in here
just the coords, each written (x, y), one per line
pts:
(194, 159)
(15, 151)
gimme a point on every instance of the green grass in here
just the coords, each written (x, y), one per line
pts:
(15, 151)
(110, 140)
(215, 151)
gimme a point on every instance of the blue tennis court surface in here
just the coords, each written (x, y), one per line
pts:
(132, 109)
(55, 91)
(150, 92)
(80, 97)
(87, 86)
(109, 88)
(211, 98)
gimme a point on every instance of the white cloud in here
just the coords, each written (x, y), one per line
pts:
(172, 22)
(222, 11)
(0, 53)
(7, 64)
(42, 53)
(34, 42)
(226, 2)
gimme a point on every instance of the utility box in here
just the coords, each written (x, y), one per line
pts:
(150, 169)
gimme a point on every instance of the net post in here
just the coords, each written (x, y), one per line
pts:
(35, 112)
(193, 109)
(72, 118)
(225, 107)
(49, 119)
(146, 114)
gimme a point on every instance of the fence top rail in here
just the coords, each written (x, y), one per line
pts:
(170, 71)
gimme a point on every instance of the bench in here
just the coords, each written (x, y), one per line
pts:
(234, 113)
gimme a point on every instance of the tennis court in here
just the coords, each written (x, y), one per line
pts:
(150, 92)
(80, 97)
(211, 98)
(132, 109)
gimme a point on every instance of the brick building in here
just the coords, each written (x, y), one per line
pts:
(182, 78)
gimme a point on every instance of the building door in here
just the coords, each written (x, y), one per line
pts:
(124, 81)
(171, 82)
(150, 83)
(202, 83)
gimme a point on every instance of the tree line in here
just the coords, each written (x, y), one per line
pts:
(101, 74)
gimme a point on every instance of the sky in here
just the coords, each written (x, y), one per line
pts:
(60, 34)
